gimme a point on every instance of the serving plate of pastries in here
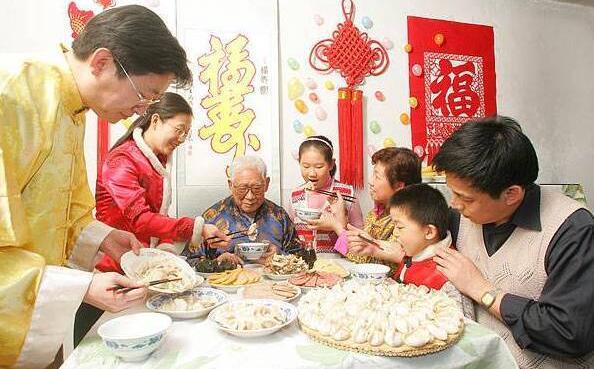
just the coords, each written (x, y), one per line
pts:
(232, 280)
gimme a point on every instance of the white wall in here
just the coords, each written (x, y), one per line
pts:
(544, 55)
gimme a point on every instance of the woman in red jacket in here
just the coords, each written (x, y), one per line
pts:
(133, 190)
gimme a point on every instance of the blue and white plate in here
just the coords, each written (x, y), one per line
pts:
(289, 311)
(156, 302)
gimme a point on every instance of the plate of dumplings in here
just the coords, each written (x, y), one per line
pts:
(253, 318)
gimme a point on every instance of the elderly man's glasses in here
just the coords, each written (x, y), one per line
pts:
(142, 100)
(243, 190)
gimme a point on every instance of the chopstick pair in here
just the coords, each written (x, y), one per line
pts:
(232, 238)
(209, 252)
(122, 289)
(228, 234)
(369, 240)
(346, 198)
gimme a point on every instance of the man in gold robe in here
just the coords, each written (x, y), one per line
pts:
(122, 62)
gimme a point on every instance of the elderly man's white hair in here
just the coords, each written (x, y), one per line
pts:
(248, 161)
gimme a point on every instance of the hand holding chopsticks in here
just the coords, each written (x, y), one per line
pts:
(370, 240)
(98, 295)
(243, 231)
(211, 232)
(123, 289)
(251, 231)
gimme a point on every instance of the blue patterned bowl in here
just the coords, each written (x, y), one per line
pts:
(252, 250)
(134, 337)
(308, 213)
(156, 302)
(370, 272)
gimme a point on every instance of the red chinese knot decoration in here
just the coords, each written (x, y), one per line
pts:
(355, 56)
(78, 18)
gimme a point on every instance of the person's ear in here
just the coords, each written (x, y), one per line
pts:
(398, 186)
(154, 120)
(102, 61)
(513, 195)
(431, 232)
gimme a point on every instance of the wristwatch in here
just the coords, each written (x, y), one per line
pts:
(488, 298)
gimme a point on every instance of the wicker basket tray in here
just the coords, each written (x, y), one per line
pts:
(383, 350)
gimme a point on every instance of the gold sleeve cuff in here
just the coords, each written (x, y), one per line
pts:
(87, 245)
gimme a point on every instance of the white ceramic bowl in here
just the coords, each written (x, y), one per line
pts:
(289, 311)
(370, 272)
(308, 213)
(156, 302)
(131, 263)
(252, 250)
(134, 337)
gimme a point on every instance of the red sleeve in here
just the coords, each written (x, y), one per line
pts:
(121, 181)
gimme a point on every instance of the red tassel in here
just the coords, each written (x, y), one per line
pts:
(102, 142)
(357, 138)
(344, 134)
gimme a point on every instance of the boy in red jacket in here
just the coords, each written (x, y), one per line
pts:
(420, 214)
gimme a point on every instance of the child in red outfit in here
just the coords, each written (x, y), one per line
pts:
(420, 215)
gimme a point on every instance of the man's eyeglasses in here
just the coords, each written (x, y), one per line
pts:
(142, 100)
(242, 191)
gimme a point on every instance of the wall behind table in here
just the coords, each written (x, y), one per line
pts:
(544, 53)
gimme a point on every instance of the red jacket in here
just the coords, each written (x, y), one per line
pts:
(130, 196)
(423, 272)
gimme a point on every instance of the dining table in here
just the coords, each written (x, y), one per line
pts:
(198, 343)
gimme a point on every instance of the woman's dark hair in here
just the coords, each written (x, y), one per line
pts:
(492, 154)
(401, 165)
(424, 205)
(170, 105)
(139, 39)
(323, 145)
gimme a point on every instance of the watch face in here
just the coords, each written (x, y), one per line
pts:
(487, 299)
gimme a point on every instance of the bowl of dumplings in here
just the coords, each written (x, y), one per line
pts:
(187, 305)
(253, 318)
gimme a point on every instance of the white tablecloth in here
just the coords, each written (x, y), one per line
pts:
(197, 343)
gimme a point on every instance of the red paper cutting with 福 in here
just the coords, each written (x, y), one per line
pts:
(452, 76)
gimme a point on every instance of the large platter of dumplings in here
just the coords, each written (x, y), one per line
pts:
(154, 264)
(253, 318)
(382, 319)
